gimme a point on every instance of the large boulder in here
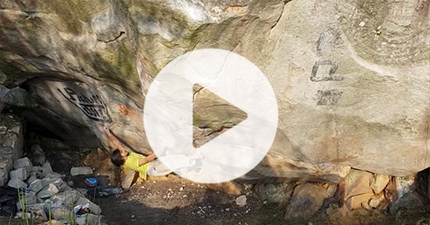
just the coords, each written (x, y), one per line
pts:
(349, 76)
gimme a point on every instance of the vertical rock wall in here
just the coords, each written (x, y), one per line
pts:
(12, 143)
(351, 77)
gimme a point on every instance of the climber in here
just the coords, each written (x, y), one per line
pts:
(144, 165)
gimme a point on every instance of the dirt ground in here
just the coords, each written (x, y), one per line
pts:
(178, 201)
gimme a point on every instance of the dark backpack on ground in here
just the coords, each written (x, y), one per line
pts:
(8, 200)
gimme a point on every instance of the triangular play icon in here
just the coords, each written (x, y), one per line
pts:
(212, 115)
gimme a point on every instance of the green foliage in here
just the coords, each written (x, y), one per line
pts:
(22, 202)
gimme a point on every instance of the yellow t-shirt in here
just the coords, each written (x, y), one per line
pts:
(132, 162)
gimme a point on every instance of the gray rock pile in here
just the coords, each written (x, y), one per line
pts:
(44, 195)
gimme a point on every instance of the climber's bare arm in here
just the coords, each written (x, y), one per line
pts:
(115, 142)
(147, 159)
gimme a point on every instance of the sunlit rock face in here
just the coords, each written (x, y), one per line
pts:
(351, 77)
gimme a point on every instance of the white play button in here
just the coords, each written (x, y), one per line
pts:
(168, 115)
